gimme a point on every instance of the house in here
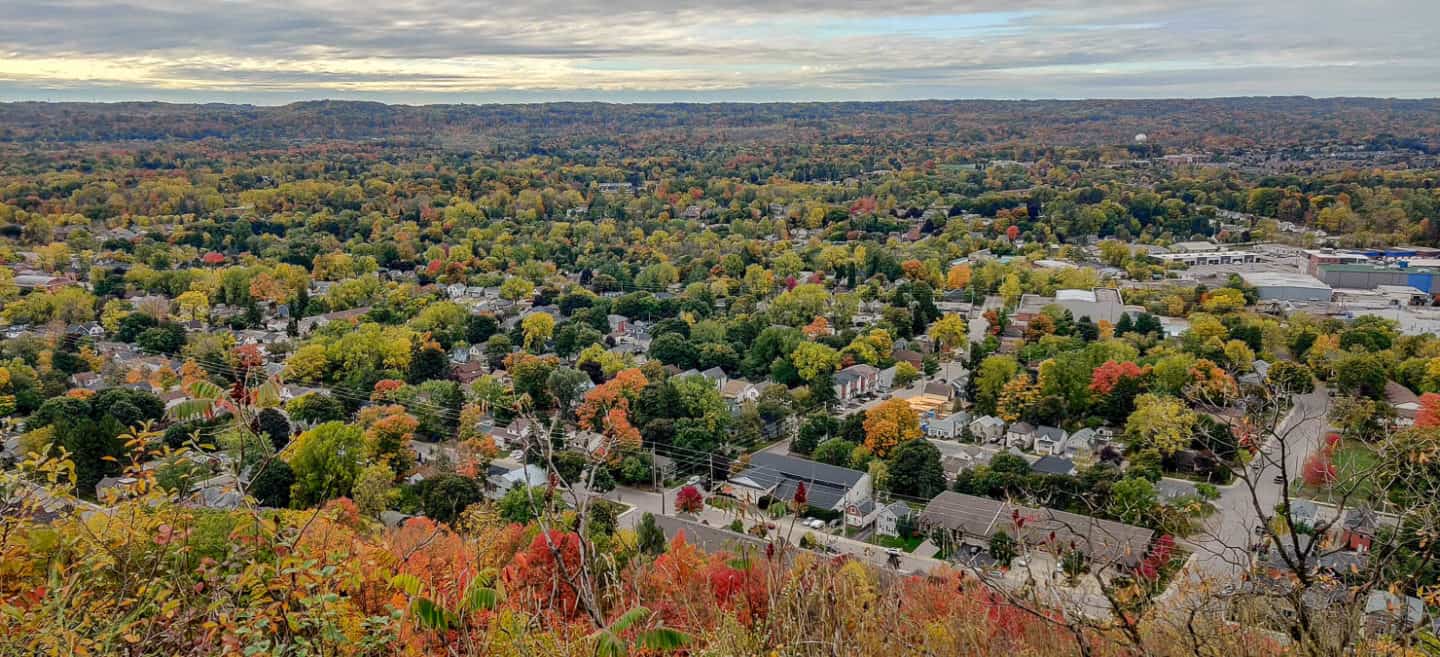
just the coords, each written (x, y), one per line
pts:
(515, 434)
(716, 377)
(950, 427)
(1080, 444)
(954, 464)
(738, 392)
(855, 381)
(87, 380)
(888, 518)
(886, 380)
(1390, 614)
(1405, 403)
(988, 429)
(971, 520)
(915, 358)
(1049, 440)
(1053, 465)
(1020, 434)
(1358, 529)
(42, 282)
(502, 478)
(1278, 560)
(860, 514)
(777, 477)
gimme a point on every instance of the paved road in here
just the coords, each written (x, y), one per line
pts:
(1221, 549)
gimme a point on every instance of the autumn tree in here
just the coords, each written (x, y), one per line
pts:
(949, 331)
(889, 424)
(1162, 422)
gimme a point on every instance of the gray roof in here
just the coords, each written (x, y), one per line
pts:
(825, 484)
(1053, 465)
(1385, 602)
(1104, 540)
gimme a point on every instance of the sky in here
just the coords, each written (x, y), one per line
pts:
(445, 51)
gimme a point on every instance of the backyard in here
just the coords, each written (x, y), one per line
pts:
(1354, 461)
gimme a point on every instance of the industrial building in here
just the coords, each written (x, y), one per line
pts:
(1369, 277)
(1101, 303)
(1286, 286)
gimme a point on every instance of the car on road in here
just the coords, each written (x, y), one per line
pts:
(693, 481)
(1279, 479)
(815, 523)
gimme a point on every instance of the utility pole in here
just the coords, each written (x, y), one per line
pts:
(655, 474)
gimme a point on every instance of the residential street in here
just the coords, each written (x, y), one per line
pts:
(1222, 547)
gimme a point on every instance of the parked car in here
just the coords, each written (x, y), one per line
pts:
(1279, 479)
(815, 523)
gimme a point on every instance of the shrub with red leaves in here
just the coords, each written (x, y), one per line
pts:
(689, 500)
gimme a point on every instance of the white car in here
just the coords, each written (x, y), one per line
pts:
(816, 524)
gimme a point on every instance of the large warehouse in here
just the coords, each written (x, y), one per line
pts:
(1287, 286)
(1369, 277)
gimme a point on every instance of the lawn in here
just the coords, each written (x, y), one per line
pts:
(905, 544)
(1354, 460)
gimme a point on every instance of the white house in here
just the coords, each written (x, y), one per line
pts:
(1021, 435)
(949, 427)
(1049, 440)
(988, 428)
(887, 519)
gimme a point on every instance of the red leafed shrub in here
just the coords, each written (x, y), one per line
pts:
(539, 578)
(1429, 413)
(689, 500)
(1161, 554)
(1332, 441)
(1318, 470)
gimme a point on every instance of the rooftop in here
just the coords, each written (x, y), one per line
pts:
(1285, 279)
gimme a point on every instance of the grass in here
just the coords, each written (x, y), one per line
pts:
(1354, 460)
(904, 544)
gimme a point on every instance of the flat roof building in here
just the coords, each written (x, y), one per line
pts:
(1286, 286)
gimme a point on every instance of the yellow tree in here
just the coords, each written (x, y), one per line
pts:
(958, 277)
(1162, 422)
(813, 359)
(888, 425)
(949, 331)
(193, 305)
(537, 327)
(1017, 395)
(1010, 289)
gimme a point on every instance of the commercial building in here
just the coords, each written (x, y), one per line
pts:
(1101, 303)
(1286, 286)
(1370, 277)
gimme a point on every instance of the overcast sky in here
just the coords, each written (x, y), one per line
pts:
(425, 51)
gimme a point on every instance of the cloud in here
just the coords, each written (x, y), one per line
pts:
(727, 49)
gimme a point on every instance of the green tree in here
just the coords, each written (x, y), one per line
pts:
(326, 462)
(915, 470)
(835, 451)
(648, 536)
(449, 495)
(1002, 548)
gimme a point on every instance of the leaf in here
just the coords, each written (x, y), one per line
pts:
(629, 618)
(663, 639)
(481, 597)
(190, 409)
(609, 645)
(431, 615)
(406, 582)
